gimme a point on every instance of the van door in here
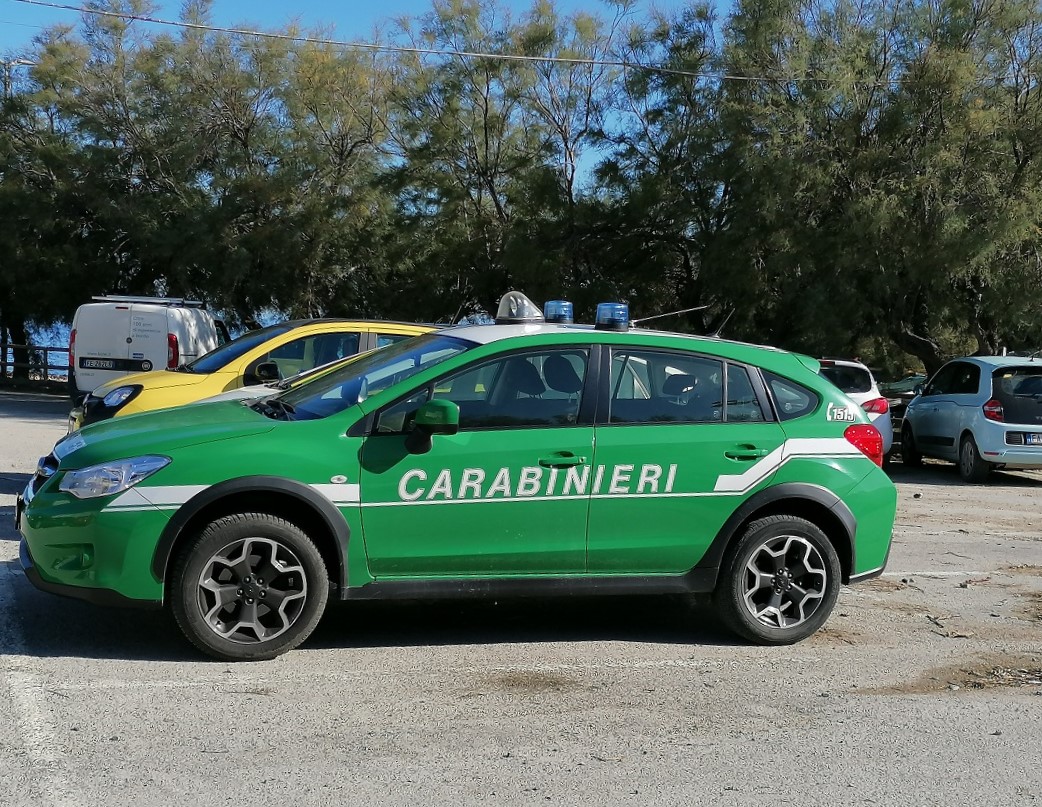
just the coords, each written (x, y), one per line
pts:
(102, 350)
(147, 341)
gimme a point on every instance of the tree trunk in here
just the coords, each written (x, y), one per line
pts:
(20, 336)
(922, 347)
(3, 348)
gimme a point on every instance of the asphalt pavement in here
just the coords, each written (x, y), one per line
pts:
(925, 687)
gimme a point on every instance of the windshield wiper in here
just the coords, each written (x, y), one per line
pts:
(279, 404)
(273, 408)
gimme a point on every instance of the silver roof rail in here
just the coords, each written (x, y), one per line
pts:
(172, 301)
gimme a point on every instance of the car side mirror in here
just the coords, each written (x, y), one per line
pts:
(267, 371)
(434, 417)
(917, 389)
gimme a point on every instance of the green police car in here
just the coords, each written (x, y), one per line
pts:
(529, 457)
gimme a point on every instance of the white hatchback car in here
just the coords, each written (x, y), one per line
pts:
(855, 379)
(982, 412)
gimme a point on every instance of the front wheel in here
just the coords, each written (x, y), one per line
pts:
(249, 587)
(780, 581)
(972, 467)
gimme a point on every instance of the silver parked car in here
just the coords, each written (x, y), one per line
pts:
(982, 412)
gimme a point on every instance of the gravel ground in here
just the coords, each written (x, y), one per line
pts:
(924, 688)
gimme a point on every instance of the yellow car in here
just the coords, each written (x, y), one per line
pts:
(256, 357)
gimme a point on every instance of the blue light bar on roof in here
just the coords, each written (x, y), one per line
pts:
(559, 311)
(613, 317)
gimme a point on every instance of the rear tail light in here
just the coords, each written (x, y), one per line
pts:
(877, 406)
(72, 349)
(173, 353)
(866, 439)
(993, 410)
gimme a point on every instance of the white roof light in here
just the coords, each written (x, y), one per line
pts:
(516, 309)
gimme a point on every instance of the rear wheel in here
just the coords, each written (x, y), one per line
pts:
(972, 467)
(249, 587)
(910, 455)
(780, 581)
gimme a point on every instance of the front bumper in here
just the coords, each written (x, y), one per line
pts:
(77, 548)
(97, 596)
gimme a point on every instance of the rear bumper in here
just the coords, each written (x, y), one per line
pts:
(861, 577)
(1026, 458)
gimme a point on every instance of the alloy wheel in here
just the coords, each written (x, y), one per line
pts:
(784, 581)
(252, 590)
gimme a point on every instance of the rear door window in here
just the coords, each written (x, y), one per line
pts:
(1019, 390)
(650, 386)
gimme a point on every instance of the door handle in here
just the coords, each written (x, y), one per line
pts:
(746, 453)
(563, 459)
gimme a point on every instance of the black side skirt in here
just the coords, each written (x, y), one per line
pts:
(696, 581)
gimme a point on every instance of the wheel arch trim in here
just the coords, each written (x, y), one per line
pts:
(319, 505)
(786, 491)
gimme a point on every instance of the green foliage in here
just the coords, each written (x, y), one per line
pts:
(835, 177)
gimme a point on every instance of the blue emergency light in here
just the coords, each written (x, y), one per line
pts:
(612, 317)
(558, 311)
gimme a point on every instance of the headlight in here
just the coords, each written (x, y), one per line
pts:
(120, 396)
(110, 477)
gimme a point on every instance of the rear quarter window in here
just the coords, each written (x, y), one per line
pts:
(791, 400)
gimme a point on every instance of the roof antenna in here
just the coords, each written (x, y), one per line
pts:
(716, 331)
(634, 322)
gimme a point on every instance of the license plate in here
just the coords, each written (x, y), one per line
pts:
(98, 364)
(1033, 439)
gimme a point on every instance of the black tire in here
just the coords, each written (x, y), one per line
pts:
(910, 455)
(219, 576)
(807, 564)
(972, 467)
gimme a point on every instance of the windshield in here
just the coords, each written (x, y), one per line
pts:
(221, 357)
(369, 374)
(315, 372)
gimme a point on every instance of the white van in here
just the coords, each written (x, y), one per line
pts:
(113, 336)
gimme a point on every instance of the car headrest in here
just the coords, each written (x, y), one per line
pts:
(523, 377)
(560, 375)
(678, 384)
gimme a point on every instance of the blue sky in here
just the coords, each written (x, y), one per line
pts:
(351, 19)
